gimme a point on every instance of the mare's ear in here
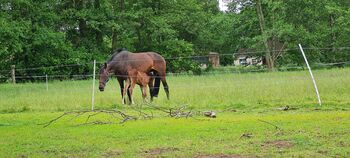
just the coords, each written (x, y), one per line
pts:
(105, 66)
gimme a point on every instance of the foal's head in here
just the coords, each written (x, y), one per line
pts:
(143, 78)
(103, 77)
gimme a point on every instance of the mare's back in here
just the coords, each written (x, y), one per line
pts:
(156, 57)
(139, 61)
(125, 60)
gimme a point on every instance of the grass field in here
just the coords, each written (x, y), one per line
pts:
(249, 121)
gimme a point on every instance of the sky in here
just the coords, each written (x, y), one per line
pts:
(222, 4)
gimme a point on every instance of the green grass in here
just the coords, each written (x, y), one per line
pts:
(242, 102)
(249, 91)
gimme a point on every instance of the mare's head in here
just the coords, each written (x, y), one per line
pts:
(103, 77)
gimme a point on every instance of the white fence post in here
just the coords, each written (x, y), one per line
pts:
(312, 76)
(13, 74)
(93, 87)
(47, 83)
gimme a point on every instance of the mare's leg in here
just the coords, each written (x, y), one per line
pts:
(128, 93)
(121, 84)
(151, 88)
(165, 85)
(156, 86)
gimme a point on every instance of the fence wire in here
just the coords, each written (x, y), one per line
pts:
(74, 94)
(214, 72)
(80, 84)
(174, 58)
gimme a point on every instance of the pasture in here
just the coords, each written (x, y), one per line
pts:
(249, 123)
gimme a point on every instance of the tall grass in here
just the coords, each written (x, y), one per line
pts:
(249, 91)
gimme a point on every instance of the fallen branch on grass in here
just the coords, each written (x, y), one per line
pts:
(246, 135)
(180, 112)
(95, 123)
(174, 112)
(286, 108)
(270, 124)
(210, 114)
(114, 113)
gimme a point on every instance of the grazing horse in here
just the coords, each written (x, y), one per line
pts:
(136, 77)
(123, 61)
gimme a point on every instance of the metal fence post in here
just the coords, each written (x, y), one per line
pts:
(312, 76)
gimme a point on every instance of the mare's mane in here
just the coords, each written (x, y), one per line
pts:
(120, 50)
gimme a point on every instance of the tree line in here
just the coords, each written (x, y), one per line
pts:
(39, 33)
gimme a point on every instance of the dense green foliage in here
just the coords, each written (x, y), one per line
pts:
(36, 33)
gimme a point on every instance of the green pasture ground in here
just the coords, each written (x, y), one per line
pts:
(252, 118)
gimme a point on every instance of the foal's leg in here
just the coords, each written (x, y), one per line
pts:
(127, 84)
(144, 93)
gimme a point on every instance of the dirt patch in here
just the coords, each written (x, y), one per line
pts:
(323, 152)
(112, 153)
(22, 156)
(221, 156)
(279, 144)
(159, 151)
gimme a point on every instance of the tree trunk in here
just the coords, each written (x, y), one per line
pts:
(82, 22)
(121, 5)
(334, 38)
(139, 38)
(114, 40)
(117, 7)
(98, 33)
(268, 56)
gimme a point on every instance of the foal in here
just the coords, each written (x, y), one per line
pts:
(136, 77)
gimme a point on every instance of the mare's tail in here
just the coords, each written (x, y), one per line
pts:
(156, 85)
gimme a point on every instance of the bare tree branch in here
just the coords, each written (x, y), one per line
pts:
(123, 117)
(270, 124)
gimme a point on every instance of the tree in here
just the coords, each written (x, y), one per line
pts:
(284, 24)
(44, 33)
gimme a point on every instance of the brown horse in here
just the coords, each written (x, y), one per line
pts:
(136, 77)
(122, 61)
